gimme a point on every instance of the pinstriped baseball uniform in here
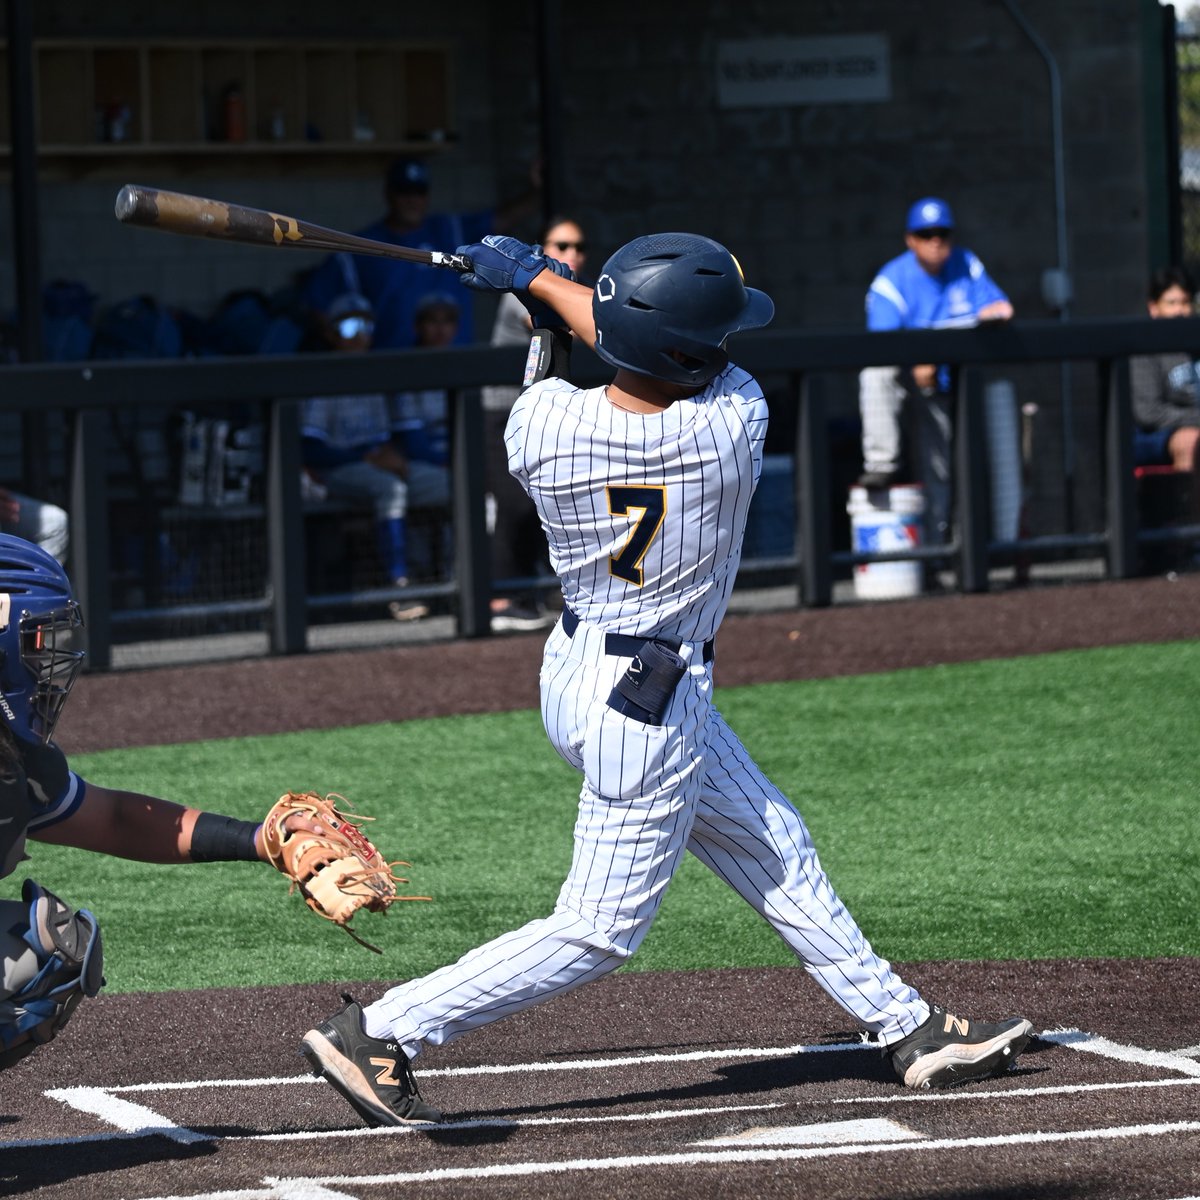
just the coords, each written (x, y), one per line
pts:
(644, 515)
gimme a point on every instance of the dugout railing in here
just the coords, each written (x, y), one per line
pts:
(87, 392)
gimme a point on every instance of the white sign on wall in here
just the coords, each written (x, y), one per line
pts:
(773, 72)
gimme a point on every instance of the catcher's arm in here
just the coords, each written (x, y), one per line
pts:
(149, 829)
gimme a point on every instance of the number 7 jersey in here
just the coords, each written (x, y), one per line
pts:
(644, 512)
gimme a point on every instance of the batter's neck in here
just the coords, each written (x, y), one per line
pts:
(640, 393)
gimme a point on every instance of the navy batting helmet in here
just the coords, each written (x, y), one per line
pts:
(39, 623)
(669, 295)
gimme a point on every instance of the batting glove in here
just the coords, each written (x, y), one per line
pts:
(505, 264)
(540, 313)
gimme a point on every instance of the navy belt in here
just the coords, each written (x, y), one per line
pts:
(626, 645)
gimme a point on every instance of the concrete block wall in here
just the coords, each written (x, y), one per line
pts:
(810, 197)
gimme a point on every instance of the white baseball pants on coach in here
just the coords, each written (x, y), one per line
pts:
(649, 794)
(882, 396)
(41, 522)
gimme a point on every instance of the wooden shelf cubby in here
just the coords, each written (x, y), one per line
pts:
(116, 99)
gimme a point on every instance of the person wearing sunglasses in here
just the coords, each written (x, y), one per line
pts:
(349, 452)
(518, 544)
(934, 284)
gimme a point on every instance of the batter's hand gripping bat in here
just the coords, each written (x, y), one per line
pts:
(176, 212)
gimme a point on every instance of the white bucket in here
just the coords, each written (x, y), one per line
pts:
(885, 521)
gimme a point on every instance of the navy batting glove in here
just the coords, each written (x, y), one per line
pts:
(542, 315)
(503, 264)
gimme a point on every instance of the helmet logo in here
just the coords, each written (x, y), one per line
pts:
(606, 288)
(741, 273)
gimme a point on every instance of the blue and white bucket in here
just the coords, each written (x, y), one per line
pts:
(886, 521)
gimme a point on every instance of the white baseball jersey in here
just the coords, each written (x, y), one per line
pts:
(644, 515)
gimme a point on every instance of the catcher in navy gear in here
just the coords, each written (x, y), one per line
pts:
(51, 952)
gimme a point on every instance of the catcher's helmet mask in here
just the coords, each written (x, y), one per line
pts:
(39, 627)
(665, 304)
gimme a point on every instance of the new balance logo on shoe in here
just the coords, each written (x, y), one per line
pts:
(386, 1074)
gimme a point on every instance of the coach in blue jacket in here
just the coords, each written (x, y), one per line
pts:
(934, 284)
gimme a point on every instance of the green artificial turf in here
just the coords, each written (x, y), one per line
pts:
(1035, 807)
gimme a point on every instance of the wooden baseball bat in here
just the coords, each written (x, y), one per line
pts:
(177, 212)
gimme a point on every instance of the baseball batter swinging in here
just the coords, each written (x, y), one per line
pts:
(643, 488)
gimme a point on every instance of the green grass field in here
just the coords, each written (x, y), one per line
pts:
(1025, 808)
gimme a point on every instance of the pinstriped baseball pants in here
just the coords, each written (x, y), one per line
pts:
(650, 793)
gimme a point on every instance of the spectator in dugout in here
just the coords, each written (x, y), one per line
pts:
(1166, 387)
(349, 452)
(36, 521)
(395, 288)
(519, 549)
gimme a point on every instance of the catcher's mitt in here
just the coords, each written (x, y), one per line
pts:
(338, 870)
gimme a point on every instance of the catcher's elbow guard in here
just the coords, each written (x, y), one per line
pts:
(52, 958)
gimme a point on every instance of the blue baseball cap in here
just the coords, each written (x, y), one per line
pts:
(930, 213)
(349, 304)
(408, 175)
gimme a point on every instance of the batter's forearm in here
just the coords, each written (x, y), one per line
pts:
(572, 301)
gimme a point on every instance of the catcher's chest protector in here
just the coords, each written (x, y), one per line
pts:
(32, 777)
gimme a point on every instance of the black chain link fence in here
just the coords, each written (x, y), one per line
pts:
(1187, 47)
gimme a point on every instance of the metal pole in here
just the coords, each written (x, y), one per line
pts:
(90, 574)
(812, 496)
(285, 530)
(971, 482)
(1060, 233)
(472, 565)
(26, 249)
(549, 42)
(1170, 70)
(1118, 461)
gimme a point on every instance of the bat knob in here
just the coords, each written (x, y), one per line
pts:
(126, 202)
(135, 205)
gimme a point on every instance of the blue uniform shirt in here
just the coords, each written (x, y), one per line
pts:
(905, 296)
(396, 288)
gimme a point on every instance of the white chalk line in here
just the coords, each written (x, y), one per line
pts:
(963, 1095)
(291, 1189)
(1092, 1043)
(666, 1114)
(138, 1120)
(740, 1157)
(125, 1115)
(526, 1068)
